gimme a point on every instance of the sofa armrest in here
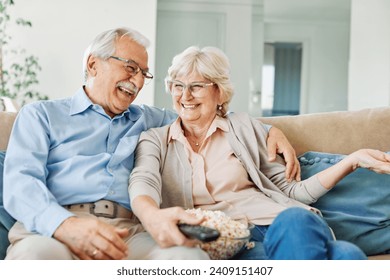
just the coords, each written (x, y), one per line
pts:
(6, 122)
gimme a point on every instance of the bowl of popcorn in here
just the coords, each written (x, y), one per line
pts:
(234, 235)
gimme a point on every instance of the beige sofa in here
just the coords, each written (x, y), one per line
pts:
(333, 132)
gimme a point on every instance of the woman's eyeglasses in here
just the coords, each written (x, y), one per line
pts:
(177, 88)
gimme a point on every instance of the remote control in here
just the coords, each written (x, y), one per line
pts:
(201, 233)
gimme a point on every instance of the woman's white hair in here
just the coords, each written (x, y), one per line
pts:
(103, 45)
(209, 62)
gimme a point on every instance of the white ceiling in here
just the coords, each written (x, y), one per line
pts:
(307, 10)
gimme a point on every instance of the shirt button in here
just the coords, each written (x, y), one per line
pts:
(112, 192)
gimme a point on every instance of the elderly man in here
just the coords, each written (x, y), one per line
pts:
(68, 163)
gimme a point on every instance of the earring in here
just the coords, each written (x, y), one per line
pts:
(219, 107)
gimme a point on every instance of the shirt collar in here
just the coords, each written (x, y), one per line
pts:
(81, 102)
(134, 112)
(218, 123)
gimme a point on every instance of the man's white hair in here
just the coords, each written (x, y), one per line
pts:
(103, 45)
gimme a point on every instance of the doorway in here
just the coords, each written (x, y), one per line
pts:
(281, 79)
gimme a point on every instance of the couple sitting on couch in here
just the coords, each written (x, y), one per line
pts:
(68, 188)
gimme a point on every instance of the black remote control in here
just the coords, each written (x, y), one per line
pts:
(201, 233)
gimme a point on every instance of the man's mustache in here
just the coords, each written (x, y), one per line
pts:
(128, 87)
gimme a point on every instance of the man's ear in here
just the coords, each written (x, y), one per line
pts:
(91, 66)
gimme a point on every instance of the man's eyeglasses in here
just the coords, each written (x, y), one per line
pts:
(133, 68)
(177, 88)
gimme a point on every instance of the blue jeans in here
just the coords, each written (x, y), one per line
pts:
(3, 241)
(298, 234)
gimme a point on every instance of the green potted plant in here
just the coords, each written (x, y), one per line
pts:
(18, 69)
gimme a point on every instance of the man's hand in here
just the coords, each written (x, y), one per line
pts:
(277, 143)
(90, 238)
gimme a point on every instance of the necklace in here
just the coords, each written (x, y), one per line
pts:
(195, 142)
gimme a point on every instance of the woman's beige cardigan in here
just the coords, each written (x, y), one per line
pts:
(163, 171)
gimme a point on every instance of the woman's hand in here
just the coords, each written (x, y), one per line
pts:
(366, 158)
(374, 160)
(277, 143)
(162, 223)
(162, 226)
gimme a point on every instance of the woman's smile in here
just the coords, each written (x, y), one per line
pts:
(189, 106)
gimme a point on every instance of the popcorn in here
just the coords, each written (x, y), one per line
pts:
(234, 235)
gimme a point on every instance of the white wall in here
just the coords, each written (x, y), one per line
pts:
(369, 68)
(63, 29)
(226, 24)
(325, 61)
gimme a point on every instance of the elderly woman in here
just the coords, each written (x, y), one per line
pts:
(214, 160)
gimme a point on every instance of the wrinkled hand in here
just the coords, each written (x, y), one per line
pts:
(374, 160)
(91, 238)
(162, 226)
(277, 143)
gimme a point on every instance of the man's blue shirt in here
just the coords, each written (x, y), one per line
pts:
(70, 151)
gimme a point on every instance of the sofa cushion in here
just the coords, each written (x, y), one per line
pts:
(5, 219)
(358, 207)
